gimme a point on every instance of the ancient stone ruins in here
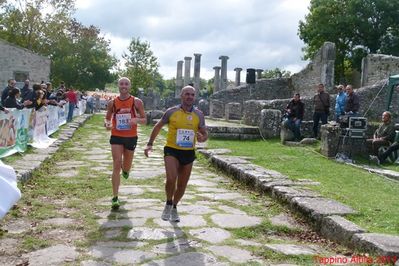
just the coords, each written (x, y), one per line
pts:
(261, 104)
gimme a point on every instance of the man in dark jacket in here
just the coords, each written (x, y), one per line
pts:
(321, 103)
(26, 91)
(295, 111)
(11, 84)
(352, 102)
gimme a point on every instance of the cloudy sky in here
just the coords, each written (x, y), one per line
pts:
(253, 33)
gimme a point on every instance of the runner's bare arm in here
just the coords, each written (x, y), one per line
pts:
(154, 133)
(108, 115)
(202, 134)
(141, 118)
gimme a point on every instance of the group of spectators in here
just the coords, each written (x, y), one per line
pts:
(37, 96)
(347, 104)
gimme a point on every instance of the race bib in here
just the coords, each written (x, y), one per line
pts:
(122, 121)
(185, 138)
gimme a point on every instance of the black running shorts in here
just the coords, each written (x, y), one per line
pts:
(183, 156)
(129, 143)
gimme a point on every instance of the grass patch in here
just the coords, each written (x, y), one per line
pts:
(374, 197)
(33, 243)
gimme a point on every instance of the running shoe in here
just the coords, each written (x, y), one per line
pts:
(115, 203)
(125, 174)
(174, 216)
(166, 212)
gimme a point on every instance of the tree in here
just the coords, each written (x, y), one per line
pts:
(79, 55)
(141, 65)
(357, 27)
(274, 73)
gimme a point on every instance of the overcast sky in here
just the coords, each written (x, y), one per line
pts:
(253, 33)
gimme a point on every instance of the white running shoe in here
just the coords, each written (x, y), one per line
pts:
(166, 212)
(174, 216)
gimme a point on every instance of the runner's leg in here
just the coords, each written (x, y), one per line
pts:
(127, 160)
(117, 151)
(184, 173)
(171, 168)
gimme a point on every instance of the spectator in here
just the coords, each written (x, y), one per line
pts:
(12, 100)
(340, 102)
(62, 87)
(352, 102)
(71, 97)
(98, 102)
(90, 104)
(26, 91)
(384, 135)
(295, 111)
(11, 84)
(40, 99)
(321, 103)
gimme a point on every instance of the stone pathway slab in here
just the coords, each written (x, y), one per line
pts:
(55, 255)
(146, 233)
(190, 258)
(211, 234)
(235, 220)
(123, 256)
(236, 255)
(290, 249)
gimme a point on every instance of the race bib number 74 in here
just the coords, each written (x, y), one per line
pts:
(185, 138)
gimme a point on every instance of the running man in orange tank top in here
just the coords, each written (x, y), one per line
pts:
(123, 115)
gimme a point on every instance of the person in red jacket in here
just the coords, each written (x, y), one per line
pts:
(72, 98)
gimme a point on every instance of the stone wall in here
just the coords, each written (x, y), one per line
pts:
(319, 70)
(253, 108)
(264, 89)
(376, 105)
(20, 63)
(376, 67)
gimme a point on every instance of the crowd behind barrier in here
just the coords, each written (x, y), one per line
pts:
(20, 128)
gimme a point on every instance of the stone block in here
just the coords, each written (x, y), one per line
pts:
(317, 208)
(203, 105)
(270, 122)
(338, 229)
(216, 109)
(233, 111)
(329, 139)
(380, 244)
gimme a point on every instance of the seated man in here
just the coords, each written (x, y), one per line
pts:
(295, 110)
(384, 135)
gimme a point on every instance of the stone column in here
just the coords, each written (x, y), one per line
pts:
(223, 73)
(238, 76)
(216, 81)
(259, 73)
(197, 70)
(187, 72)
(179, 79)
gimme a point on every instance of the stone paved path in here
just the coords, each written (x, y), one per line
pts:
(221, 222)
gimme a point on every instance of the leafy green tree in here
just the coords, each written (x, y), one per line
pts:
(357, 27)
(274, 73)
(79, 55)
(141, 65)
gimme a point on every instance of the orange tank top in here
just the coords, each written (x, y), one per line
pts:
(123, 112)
